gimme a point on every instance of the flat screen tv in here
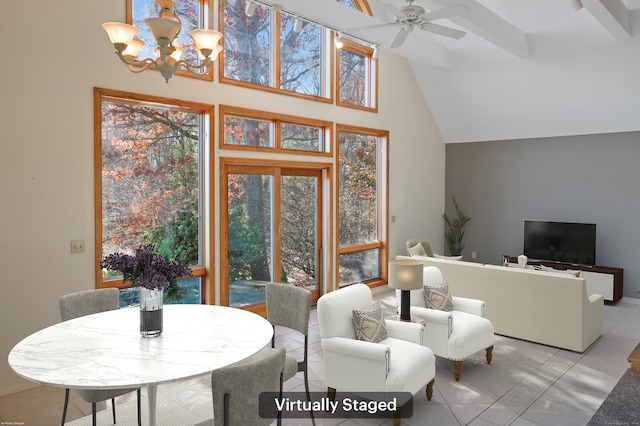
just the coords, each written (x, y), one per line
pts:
(560, 241)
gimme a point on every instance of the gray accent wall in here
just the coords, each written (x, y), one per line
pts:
(592, 179)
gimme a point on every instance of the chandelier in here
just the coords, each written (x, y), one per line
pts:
(165, 29)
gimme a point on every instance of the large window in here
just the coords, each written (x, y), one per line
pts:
(362, 210)
(192, 13)
(254, 130)
(149, 180)
(278, 51)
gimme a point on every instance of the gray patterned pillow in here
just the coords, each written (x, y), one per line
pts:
(417, 250)
(438, 297)
(369, 323)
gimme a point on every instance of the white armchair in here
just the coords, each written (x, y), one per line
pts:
(398, 363)
(455, 334)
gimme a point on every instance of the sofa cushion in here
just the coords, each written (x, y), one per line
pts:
(417, 250)
(437, 296)
(369, 323)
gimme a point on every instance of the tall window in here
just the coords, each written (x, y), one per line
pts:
(357, 80)
(192, 13)
(275, 51)
(149, 185)
(362, 254)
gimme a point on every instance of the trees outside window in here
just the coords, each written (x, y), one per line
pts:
(362, 184)
(149, 180)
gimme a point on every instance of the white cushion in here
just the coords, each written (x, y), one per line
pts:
(439, 256)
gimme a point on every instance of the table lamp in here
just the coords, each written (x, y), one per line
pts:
(405, 275)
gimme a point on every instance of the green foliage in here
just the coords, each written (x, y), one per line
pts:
(177, 240)
(245, 254)
(454, 232)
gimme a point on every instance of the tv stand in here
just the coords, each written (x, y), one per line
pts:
(603, 280)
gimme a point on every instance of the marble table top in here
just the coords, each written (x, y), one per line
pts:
(106, 350)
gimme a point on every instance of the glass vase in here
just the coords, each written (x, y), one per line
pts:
(151, 312)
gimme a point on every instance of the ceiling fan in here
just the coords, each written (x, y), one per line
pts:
(413, 15)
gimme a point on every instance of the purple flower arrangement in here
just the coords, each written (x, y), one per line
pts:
(148, 269)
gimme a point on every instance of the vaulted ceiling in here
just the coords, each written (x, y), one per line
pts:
(524, 68)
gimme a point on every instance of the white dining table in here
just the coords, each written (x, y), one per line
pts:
(106, 350)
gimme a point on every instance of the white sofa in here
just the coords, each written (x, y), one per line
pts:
(551, 308)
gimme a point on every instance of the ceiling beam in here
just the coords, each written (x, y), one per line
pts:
(613, 15)
(482, 22)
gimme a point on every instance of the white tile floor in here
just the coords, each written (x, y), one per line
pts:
(526, 384)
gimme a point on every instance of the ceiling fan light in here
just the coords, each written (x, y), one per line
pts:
(338, 41)
(297, 26)
(376, 51)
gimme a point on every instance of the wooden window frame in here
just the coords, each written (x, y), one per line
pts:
(275, 56)
(276, 120)
(382, 205)
(206, 156)
(372, 78)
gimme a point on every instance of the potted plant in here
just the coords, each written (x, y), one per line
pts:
(153, 274)
(454, 232)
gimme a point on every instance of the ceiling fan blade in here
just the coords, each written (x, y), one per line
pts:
(399, 38)
(445, 12)
(369, 27)
(443, 31)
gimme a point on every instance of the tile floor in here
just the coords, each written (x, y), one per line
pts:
(526, 384)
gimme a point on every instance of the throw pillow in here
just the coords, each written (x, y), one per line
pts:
(439, 256)
(369, 323)
(438, 297)
(417, 250)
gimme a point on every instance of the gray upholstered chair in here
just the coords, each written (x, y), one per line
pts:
(426, 247)
(289, 306)
(83, 303)
(236, 388)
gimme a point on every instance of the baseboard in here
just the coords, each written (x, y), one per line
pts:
(630, 300)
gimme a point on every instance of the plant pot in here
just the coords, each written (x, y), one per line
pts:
(151, 302)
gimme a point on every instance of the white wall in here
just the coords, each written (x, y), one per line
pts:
(56, 54)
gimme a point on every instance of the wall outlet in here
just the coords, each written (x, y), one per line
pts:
(474, 254)
(77, 246)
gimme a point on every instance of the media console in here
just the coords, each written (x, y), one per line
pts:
(604, 280)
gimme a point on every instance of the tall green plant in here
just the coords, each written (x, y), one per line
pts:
(454, 234)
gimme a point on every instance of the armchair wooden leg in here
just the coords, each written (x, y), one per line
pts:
(489, 354)
(456, 369)
(430, 389)
(331, 394)
(397, 417)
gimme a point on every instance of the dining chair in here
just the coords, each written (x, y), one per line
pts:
(83, 303)
(236, 388)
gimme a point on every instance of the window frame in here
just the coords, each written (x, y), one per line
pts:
(276, 120)
(275, 55)
(371, 101)
(207, 195)
(382, 203)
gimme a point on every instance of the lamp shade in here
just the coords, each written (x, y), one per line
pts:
(163, 28)
(405, 274)
(119, 32)
(205, 39)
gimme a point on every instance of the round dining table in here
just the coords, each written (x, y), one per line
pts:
(106, 350)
